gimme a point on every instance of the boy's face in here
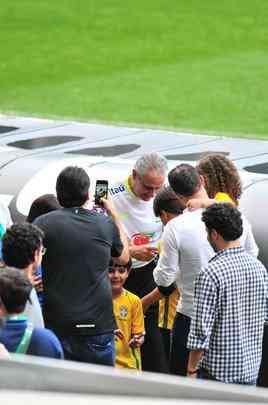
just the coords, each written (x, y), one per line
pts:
(118, 275)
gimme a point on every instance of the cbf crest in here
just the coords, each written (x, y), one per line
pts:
(123, 312)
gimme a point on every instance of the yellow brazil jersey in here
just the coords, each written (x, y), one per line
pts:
(167, 310)
(224, 197)
(167, 307)
(130, 320)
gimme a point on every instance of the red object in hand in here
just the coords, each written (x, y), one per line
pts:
(140, 239)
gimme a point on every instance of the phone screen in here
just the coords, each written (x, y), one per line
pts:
(101, 190)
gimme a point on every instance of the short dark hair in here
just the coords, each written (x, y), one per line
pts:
(127, 266)
(15, 289)
(166, 200)
(42, 205)
(225, 218)
(184, 180)
(20, 243)
(72, 187)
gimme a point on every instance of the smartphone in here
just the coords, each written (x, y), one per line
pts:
(101, 191)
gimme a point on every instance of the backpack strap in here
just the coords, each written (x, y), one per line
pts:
(25, 340)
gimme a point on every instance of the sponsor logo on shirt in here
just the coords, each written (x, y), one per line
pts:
(116, 190)
(144, 238)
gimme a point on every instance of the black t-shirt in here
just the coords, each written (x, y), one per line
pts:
(77, 291)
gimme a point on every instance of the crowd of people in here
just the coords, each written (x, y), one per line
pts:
(162, 276)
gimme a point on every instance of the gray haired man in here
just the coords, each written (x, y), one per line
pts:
(133, 200)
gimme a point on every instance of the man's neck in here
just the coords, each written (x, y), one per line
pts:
(229, 245)
(201, 193)
(88, 205)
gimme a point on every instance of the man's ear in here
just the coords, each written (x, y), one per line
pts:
(37, 256)
(214, 234)
(163, 217)
(134, 173)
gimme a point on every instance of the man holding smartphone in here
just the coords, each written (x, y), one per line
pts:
(133, 200)
(77, 292)
(101, 191)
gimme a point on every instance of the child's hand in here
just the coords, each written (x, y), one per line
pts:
(119, 334)
(137, 340)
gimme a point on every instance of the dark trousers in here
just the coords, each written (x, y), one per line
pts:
(204, 374)
(153, 351)
(166, 337)
(179, 353)
(263, 372)
(97, 349)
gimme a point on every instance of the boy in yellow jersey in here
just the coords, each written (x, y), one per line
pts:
(166, 206)
(129, 318)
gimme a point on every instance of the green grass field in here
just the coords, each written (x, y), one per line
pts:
(191, 65)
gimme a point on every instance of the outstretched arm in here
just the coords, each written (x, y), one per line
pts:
(110, 208)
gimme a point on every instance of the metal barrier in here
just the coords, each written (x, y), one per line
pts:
(40, 374)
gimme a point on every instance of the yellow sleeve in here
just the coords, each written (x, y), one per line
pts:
(137, 317)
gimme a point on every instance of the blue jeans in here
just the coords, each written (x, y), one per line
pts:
(96, 349)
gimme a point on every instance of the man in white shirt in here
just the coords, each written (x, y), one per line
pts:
(133, 200)
(185, 251)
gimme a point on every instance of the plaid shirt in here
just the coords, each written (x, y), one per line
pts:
(229, 314)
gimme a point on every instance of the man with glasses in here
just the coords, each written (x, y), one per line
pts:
(18, 335)
(22, 248)
(133, 200)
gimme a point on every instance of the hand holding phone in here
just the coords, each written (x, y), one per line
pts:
(101, 191)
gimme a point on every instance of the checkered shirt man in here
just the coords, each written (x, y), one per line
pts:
(229, 313)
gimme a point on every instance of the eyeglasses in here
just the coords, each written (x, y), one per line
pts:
(120, 269)
(43, 250)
